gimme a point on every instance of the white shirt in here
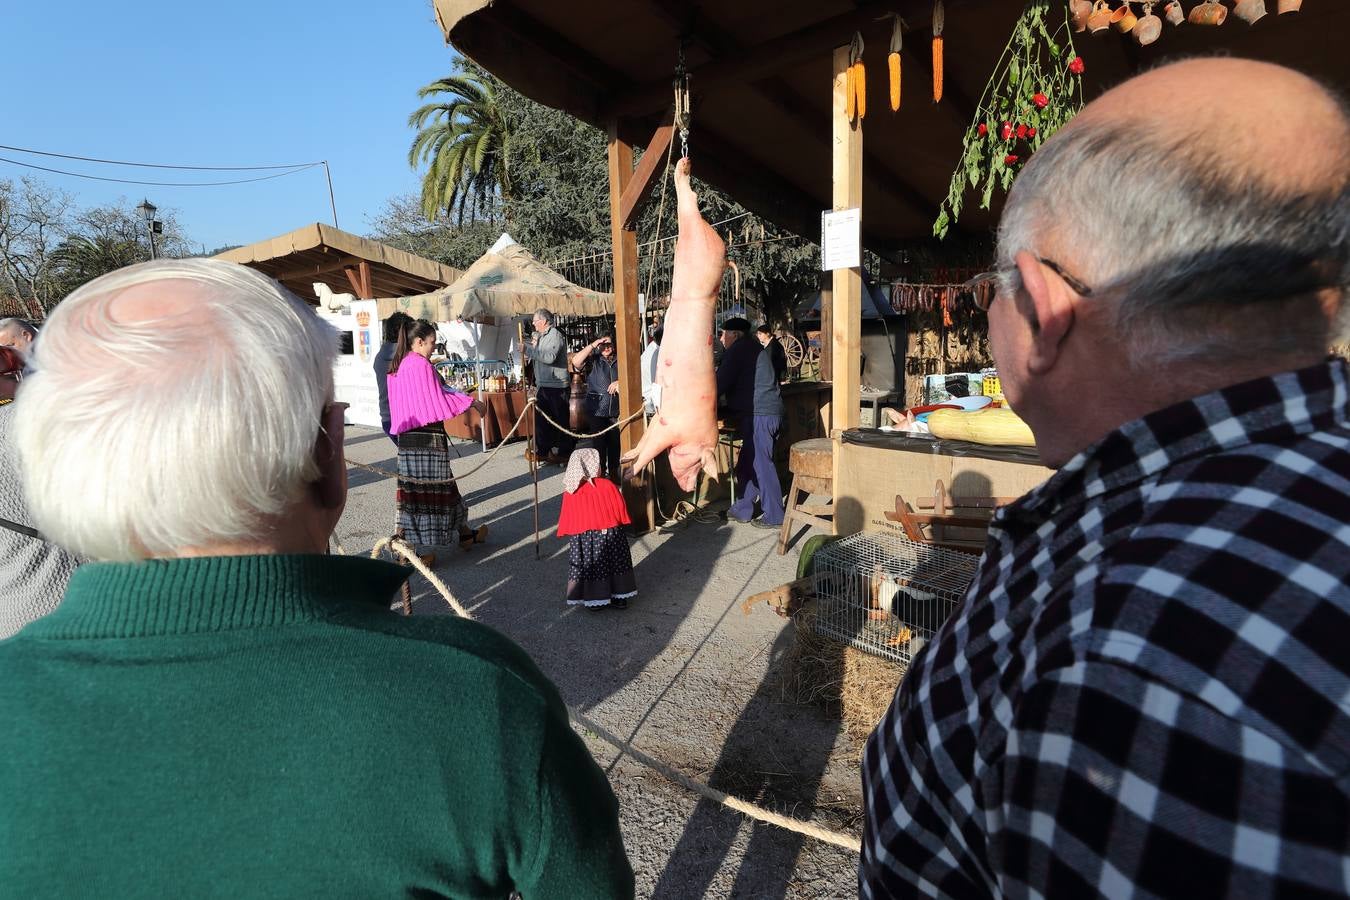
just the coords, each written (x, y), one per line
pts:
(651, 391)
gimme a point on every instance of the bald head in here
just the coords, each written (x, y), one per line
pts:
(1251, 120)
(1205, 200)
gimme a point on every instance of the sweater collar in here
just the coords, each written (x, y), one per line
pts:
(217, 593)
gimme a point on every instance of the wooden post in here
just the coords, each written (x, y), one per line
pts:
(846, 321)
(627, 333)
(827, 342)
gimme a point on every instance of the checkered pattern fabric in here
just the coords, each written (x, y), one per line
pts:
(1147, 690)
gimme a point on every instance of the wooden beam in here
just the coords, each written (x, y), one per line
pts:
(771, 56)
(653, 160)
(314, 270)
(367, 288)
(627, 322)
(354, 279)
(846, 335)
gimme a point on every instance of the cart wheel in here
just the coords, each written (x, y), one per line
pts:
(793, 348)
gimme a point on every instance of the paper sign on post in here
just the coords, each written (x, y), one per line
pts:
(841, 239)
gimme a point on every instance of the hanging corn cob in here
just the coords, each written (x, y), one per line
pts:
(857, 79)
(893, 63)
(939, 20)
(850, 93)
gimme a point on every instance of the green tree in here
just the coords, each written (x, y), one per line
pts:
(464, 139)
(81, 258)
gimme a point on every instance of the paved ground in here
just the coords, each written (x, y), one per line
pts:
(682, 674)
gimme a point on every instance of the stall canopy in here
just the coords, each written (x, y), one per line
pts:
(760, 72)
(505, 282)
(347, 263)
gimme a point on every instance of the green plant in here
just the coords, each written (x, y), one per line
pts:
(1035, 88)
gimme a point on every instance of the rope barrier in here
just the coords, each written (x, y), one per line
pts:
(401, 547)
(745, 807)
(754, 811)
(529, 404)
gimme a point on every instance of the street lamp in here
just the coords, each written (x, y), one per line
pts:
(152, 225)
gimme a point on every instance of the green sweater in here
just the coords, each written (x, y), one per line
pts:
(264, 726)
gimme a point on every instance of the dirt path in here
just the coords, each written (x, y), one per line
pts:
(682, 674)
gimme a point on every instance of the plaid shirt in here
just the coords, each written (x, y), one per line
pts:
(1147, 690)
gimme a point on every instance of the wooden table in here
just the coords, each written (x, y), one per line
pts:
(504, 407)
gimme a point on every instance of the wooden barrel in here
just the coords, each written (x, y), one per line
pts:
(812, 464)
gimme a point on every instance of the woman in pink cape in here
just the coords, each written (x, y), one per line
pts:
(428, 514)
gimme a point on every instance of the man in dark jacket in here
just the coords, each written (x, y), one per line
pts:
(736, 387)
(766, 423)
(383, 357)
(602, 397)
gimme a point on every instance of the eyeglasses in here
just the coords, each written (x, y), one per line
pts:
(984, 287)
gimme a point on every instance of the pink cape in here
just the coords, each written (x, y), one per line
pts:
(417, 397)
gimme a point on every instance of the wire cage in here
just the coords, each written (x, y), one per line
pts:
(887, 595)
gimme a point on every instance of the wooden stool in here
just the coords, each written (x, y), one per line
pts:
(812, 465)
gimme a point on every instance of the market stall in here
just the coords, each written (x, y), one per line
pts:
(481, 317)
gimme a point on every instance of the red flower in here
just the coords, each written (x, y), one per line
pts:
(1076, 65)
(1031, 132)
(982, 130)
(1010, 159)
(1022, 132)
(1041, 101)
(1006, 131)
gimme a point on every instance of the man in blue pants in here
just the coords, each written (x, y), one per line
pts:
(761, 484)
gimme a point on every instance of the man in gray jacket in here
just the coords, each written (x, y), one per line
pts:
(548, 350)
(33, 572)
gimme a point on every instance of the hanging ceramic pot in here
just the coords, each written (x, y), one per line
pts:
(1174, 13)
(1124, 19)
(1100, 20)
(1288, 6)
(1079, 11)
(1149, 27)
(1250, 11)
(1210, 12)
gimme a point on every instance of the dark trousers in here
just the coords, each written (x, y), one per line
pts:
(607, 444)
(551, 400)
(756, 473)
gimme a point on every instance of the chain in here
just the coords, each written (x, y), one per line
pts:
(683, 114)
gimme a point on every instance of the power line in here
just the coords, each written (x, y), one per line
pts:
(301, 168)
(115, 162)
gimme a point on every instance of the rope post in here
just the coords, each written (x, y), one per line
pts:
(534, 476)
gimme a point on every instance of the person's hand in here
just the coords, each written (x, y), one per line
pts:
(614, 387)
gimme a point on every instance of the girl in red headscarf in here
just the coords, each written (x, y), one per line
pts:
(600, 566)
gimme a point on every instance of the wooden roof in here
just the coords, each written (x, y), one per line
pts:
(322, 253)
(761, 80)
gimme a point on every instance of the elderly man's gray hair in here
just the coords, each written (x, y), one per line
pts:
(1200, 258)
(544, 315)
(181, 419)
(13, 326)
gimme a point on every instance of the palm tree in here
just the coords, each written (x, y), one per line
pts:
(81, 258)
(464, 137)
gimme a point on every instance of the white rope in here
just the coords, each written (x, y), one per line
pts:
(754, 811)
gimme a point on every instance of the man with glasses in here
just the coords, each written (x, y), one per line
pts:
(1145, 690)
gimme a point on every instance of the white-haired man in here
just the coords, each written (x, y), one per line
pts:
(1145, 691)
(217, 708)
(18, 334)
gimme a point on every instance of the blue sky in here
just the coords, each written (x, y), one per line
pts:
(244, 83)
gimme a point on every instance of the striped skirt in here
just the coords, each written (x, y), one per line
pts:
(428, 514)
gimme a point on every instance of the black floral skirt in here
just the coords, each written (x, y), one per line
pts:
(600, 568)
